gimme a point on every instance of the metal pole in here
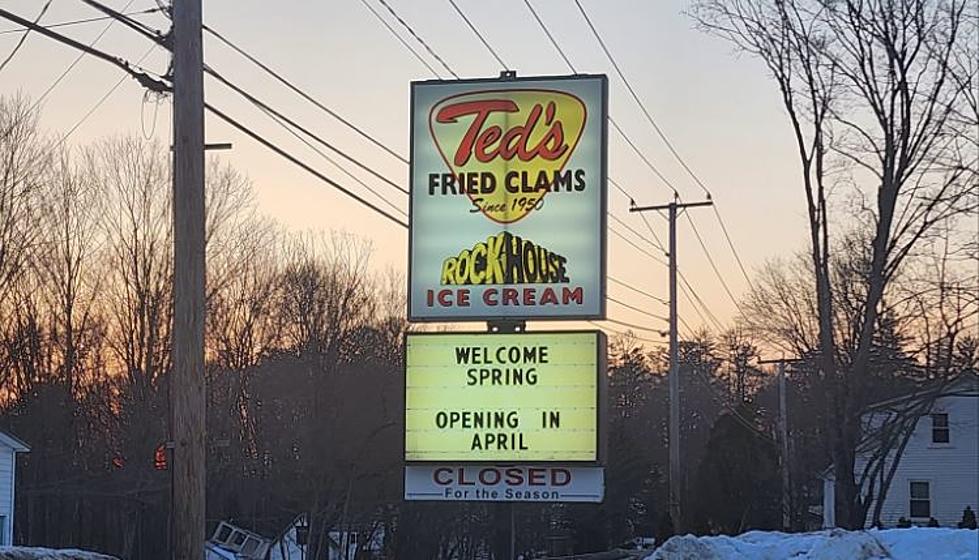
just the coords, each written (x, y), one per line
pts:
(513, 534)
(783, 431)
(187, 379)
(674, 381)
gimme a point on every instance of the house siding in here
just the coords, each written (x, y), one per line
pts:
(952, 470)
(6, 492)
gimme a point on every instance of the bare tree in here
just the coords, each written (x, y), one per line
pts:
(872, 87)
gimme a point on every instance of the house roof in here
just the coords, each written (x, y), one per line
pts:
(965, 384)
(12, 442)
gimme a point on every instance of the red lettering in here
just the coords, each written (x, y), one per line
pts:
(445, 298)
(489, 297)
(529, 296)
(510, 296)
(548, 296)
(514, 477)
(462, 478)
(576, 295)
(491, 142)
(462, 298)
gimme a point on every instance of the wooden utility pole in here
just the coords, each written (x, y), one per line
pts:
(783, 436)
(187, 378)
(674, 378)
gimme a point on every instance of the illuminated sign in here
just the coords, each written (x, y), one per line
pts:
(504, 397)
(508, 199)
(513, 483)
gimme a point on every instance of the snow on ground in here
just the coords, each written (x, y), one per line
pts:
(30, 553)
(836, 544)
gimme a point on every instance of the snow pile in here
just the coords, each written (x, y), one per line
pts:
(836, 544)
(936, 543)
(30, 553)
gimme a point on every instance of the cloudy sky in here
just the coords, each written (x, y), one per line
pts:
(720, 111)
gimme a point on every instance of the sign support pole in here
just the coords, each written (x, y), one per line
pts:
(674, 379)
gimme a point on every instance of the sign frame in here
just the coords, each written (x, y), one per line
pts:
(539, 315)
(601, 405)
(417, 487)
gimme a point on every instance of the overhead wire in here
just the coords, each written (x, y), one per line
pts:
(296, 161)
(400, 39)
(550, 37)
(637, 310)
(99, 103)
(278, 77)
(662, 136)
(83, 21)
(336, 164)
(265, 107)
(255, 61)
(638, 291)
(418, 38)
(479, 35)
(23, 38)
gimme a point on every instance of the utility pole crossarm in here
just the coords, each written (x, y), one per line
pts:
(679, 205)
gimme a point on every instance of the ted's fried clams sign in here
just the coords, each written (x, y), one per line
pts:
(508, 199)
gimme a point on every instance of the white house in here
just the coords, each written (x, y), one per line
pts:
(937, 474)
(9, 448)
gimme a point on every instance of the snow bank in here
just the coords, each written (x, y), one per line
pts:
(30, 553)
(836, 544)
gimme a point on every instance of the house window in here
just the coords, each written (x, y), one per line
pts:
(920, 499)
(939, 428)
(3, 531)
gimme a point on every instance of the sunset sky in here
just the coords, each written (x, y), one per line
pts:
(720, 110)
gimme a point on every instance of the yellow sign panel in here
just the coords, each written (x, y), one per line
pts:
(503, 397)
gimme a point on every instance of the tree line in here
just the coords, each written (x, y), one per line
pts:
(304, 338)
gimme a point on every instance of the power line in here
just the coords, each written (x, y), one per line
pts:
(479, 35)
(303, 94)
(696, 297)
(637, 247)
(262, 140)
(734, 251)
(635, 96)
(64, 74)
(309, 145)
(144, 78)
(662, 135)
(154, 35)
(636, 309)
(99, 103)
(265, 107)
(657, 245)
(643, 157)
(651, 230)
(625, 333)
(23, 38)
(713, 265)
(637, 290)
(418, 38)
(634, 326)
(400, 39)
(84, 21)
(550, 37)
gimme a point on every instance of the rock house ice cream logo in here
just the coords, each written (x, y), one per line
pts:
(506, 150)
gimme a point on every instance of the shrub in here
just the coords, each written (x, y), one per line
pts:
(968, 519)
